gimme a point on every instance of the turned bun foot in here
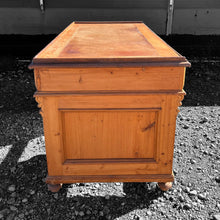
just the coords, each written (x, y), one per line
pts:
(165, 186)
(54, 187)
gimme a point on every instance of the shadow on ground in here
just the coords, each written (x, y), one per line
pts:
(24, 168)
(28, 178)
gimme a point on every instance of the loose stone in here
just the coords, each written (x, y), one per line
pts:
(13, 208)
(88, 212)
(202, 196)
(11, 188)
(187, 206)
(149, 213)
(187, 189)
(24, 200)
(181, 198)
(193, 193)
(107, 197)
(55, 195)
(32, 192)
(217, 179)
(101, 213)
(81, 213)
(192, 161)
(204, 120)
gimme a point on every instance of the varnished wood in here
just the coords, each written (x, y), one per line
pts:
(115, 92)
(110, 160)
(109, 178)
(54, 187)
(164, 186)
(107, 22)
(109, 123)
(55, 135)
(107, 43)
(155, 62)
(110, 79)
(163, 49)
(121, 133)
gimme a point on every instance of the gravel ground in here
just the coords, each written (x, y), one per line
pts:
(194, 195)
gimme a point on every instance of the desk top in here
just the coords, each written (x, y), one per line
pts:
(108, 44)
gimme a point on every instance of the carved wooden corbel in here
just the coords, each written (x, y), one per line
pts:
(179, 99)
(40, 105)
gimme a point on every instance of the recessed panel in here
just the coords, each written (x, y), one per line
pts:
(109, 134)
(108, 41)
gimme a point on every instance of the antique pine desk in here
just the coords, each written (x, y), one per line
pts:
(109, 94)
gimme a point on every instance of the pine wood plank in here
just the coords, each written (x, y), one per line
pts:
(110, 79)
(105, 123)
(114, 42)
(109, 134)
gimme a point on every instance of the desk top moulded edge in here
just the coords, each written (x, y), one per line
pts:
(166, 56)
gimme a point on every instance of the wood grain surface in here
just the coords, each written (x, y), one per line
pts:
(105, 123)
(109, 134)
(98, 42)
(110, 79)
(110, 178)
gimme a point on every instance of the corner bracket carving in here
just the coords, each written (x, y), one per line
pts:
(40, 105)
(179, 99)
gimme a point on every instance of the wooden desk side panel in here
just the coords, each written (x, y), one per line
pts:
(110, 79)
(117, 134)
(52, 133)
(51, 106)
(166, 135)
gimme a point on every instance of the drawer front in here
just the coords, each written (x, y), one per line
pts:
(109, 134)
(110, 79)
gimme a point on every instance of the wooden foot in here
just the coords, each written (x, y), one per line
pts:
(165, 186)
(54, 187)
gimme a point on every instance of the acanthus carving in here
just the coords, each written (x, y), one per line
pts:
(179, 99)
(40, 105)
